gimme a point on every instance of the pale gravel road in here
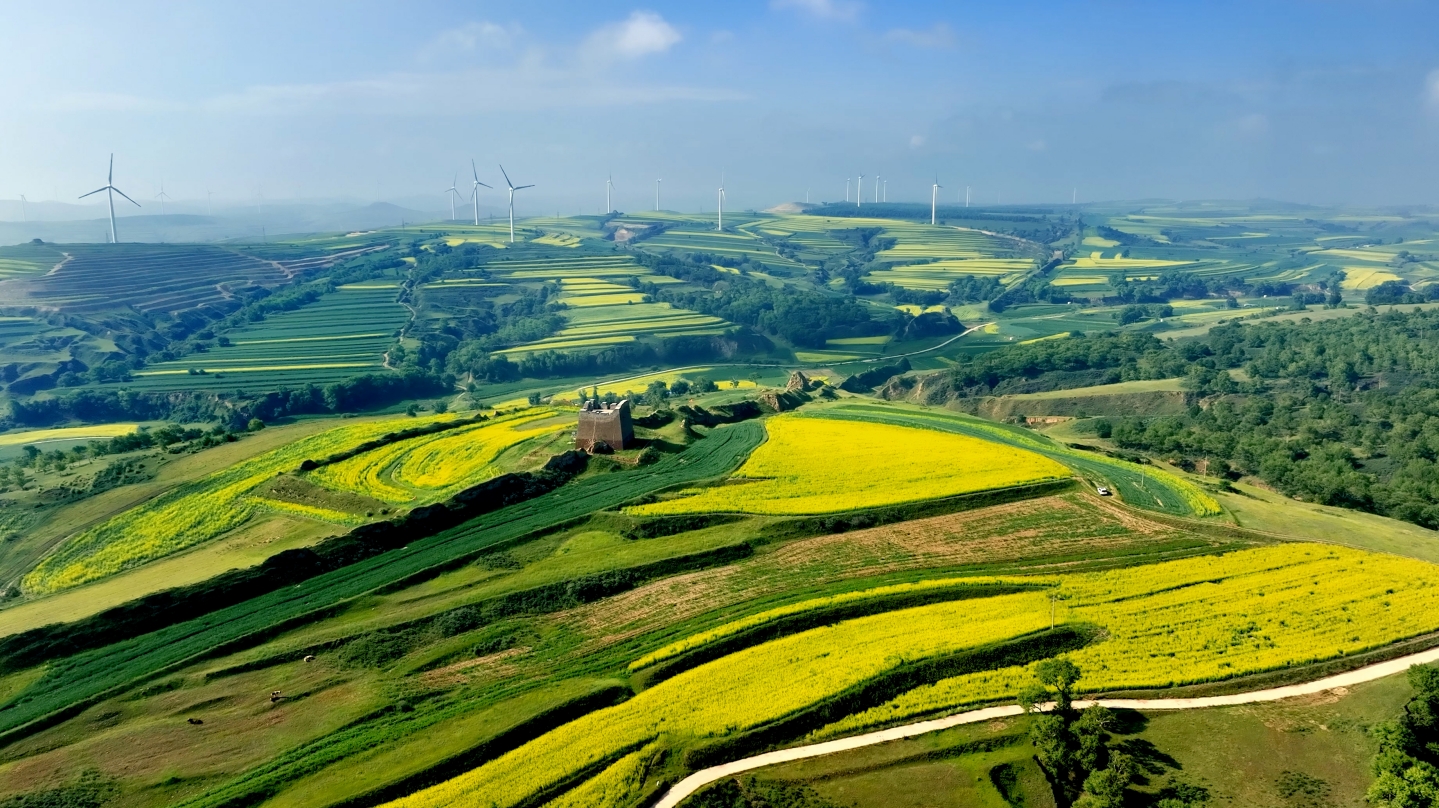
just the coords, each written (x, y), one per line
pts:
(704, 777)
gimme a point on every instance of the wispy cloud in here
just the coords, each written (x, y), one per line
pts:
(477, 36)
(643, 34)
(527, 77)
(936, 36)
(840, 10)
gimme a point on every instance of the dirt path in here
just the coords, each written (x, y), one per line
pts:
(1368, 673)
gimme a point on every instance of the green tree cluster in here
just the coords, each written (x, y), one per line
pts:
(1406, 770)
(1072, 745)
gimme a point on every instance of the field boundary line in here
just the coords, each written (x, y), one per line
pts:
(688, 786)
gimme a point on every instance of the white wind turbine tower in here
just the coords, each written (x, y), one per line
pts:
(720, 225)
(24, 216)
(513, 188)
(934, 199)
(209, 201)
(966, 196)
(846, 189)
(475, 191)
(452, 192)
(609, 191)
(163, 197)
(876, 187)
(657, 194)
(110, 191)
(859, 191)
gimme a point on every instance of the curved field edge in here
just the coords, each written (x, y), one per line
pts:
(1204, 594)
(786, 619)
(1145, 488)
(811, 466)
(78, 681)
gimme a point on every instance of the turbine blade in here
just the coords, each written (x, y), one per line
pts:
(491, 187)
(522, 187)
(111, 180)
(122, 193)
(92, 193)
(507, 176)
(474, 170)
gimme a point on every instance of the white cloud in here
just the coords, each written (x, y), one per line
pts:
(915, 141)
(936, 36)
(474, 35)
(644, 33)
(527, 86)
(842, 10)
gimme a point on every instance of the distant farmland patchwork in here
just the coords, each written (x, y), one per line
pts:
(343, 334)
(602, 310)
(152, 277)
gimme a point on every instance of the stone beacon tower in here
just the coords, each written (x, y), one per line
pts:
(604, 427)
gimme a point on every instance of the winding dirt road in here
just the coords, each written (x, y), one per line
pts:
(1368, 673)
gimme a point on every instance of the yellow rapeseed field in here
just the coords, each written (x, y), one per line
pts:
(189, 514)
(739, 691)
(820, 465)
(1211, 618)
(1191, 620)
(431, 467)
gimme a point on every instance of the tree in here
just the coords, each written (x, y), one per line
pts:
(1105, 788)
(1406, 770)
(1059, 675)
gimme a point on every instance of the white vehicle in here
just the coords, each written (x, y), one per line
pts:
(1103, 492)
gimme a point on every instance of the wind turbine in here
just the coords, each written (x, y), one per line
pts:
(475, 191)
(110, 191)
(609, 189)
(452, 192)
(846, 189)
(859, 191)
(885, 193)
(720, 225)
(24, 217)
(209, 200)
(876, 187)
(966, 196)
(513, 188)
(657, 194)
(162, 196)
(934, 199)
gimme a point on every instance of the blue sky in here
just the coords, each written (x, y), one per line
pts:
(1318, 101)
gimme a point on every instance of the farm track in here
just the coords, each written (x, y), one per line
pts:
(688, 786)
(79, 681)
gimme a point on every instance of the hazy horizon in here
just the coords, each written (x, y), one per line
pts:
(1325, 104)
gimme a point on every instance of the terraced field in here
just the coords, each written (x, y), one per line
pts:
(428, 468)
(153, 277)
(602, 311)
(1191, 620)
(23, 260)
(1147, 488)
(344, 334)
(807, 467)
(192, 513)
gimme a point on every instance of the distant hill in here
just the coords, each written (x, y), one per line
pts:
(59, 224)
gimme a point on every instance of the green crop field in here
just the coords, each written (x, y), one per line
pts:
(441, 608)
(343, 334)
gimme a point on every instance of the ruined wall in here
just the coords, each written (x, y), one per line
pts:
(609, 425)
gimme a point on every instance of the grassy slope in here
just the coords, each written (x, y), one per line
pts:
(89, 675)
(1252, 755)
(1259, 509)
(17, 557)
(580, 646)
(245, 547)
